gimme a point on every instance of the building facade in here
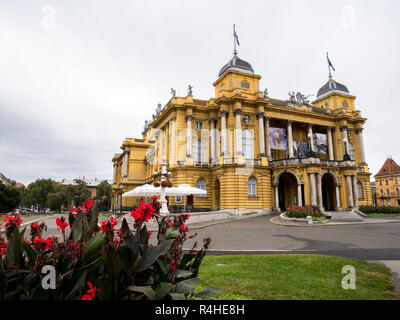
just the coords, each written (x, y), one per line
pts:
(252, 152)
(387, 184)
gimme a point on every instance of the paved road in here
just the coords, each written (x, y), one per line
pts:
(258, 235)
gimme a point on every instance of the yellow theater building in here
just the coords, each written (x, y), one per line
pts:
(387, 183)
(250, 151)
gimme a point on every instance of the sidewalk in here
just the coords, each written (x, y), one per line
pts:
(394, 265)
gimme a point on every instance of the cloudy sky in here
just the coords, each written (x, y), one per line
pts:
(77, 77)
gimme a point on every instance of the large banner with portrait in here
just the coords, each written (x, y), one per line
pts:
(300, 149)
(278, 139)
(320, 143)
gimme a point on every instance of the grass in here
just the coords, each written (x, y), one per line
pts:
(384, 215)
(293, 277)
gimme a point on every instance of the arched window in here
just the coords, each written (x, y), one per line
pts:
(351, 151)
(201, 184)
(359, 190)
(397, 191)
(252, 182)
(387, 192)
(248, 144)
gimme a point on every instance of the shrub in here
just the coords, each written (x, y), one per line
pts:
(377, 209)
(304, 211)
(96, 262)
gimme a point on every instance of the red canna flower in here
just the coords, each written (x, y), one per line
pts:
(16, 220)
(3, 247)
(154, 198)
(61, 224)
(91, 293)
(113, 222)
(88, 204)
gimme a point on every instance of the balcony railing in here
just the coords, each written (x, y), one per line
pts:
(181, 163)
(312, 161)
(201, 164)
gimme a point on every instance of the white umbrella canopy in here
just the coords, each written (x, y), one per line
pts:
(186, 189)
(148, 190)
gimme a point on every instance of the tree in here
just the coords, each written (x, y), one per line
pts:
(78, 192)
(37, 192)
(55, 200)
(10, 197)
(104, 195)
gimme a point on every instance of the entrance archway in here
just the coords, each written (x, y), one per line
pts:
(328, 191)
(287, 190)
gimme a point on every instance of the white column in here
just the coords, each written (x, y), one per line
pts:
(361, 143)
(313, 189)
(213, 146)
(189, 144)
(261, 136)
(238, 132)
(125, 164)
(172, 134)
(355, 193)
(267, 139)
(349, 188)
(290, 138)
(330, 144)
(114, 173)
(319, 190)
(310, 133)
(276, 192)
(299, 196)
(224, 141)
(337, 197)
(344, 136)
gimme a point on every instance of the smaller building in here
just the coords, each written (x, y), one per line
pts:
(387, 184)
(91, 184)
(7, 181)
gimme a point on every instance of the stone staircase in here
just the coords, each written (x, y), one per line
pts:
(345, 216)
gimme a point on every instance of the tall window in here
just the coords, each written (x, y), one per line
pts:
(198, 151)
(387, 192)
(201, 184)
(359, 190)
(351, 151)
(397, 191)
(248, 144)
(198, 125)
(252, 187)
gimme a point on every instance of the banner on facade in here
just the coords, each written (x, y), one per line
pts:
(278, 138)
(320, 143)
(300, 149)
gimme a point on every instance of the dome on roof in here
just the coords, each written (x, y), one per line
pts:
(237, 64)
(332, 85)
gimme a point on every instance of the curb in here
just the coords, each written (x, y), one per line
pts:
(328, 224)
(32, 221)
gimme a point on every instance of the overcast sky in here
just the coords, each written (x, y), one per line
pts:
(77, 77)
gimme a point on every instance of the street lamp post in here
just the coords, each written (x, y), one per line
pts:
(164, 208)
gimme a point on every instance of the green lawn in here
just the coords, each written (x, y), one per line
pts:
(384, 215)
(277, 277)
